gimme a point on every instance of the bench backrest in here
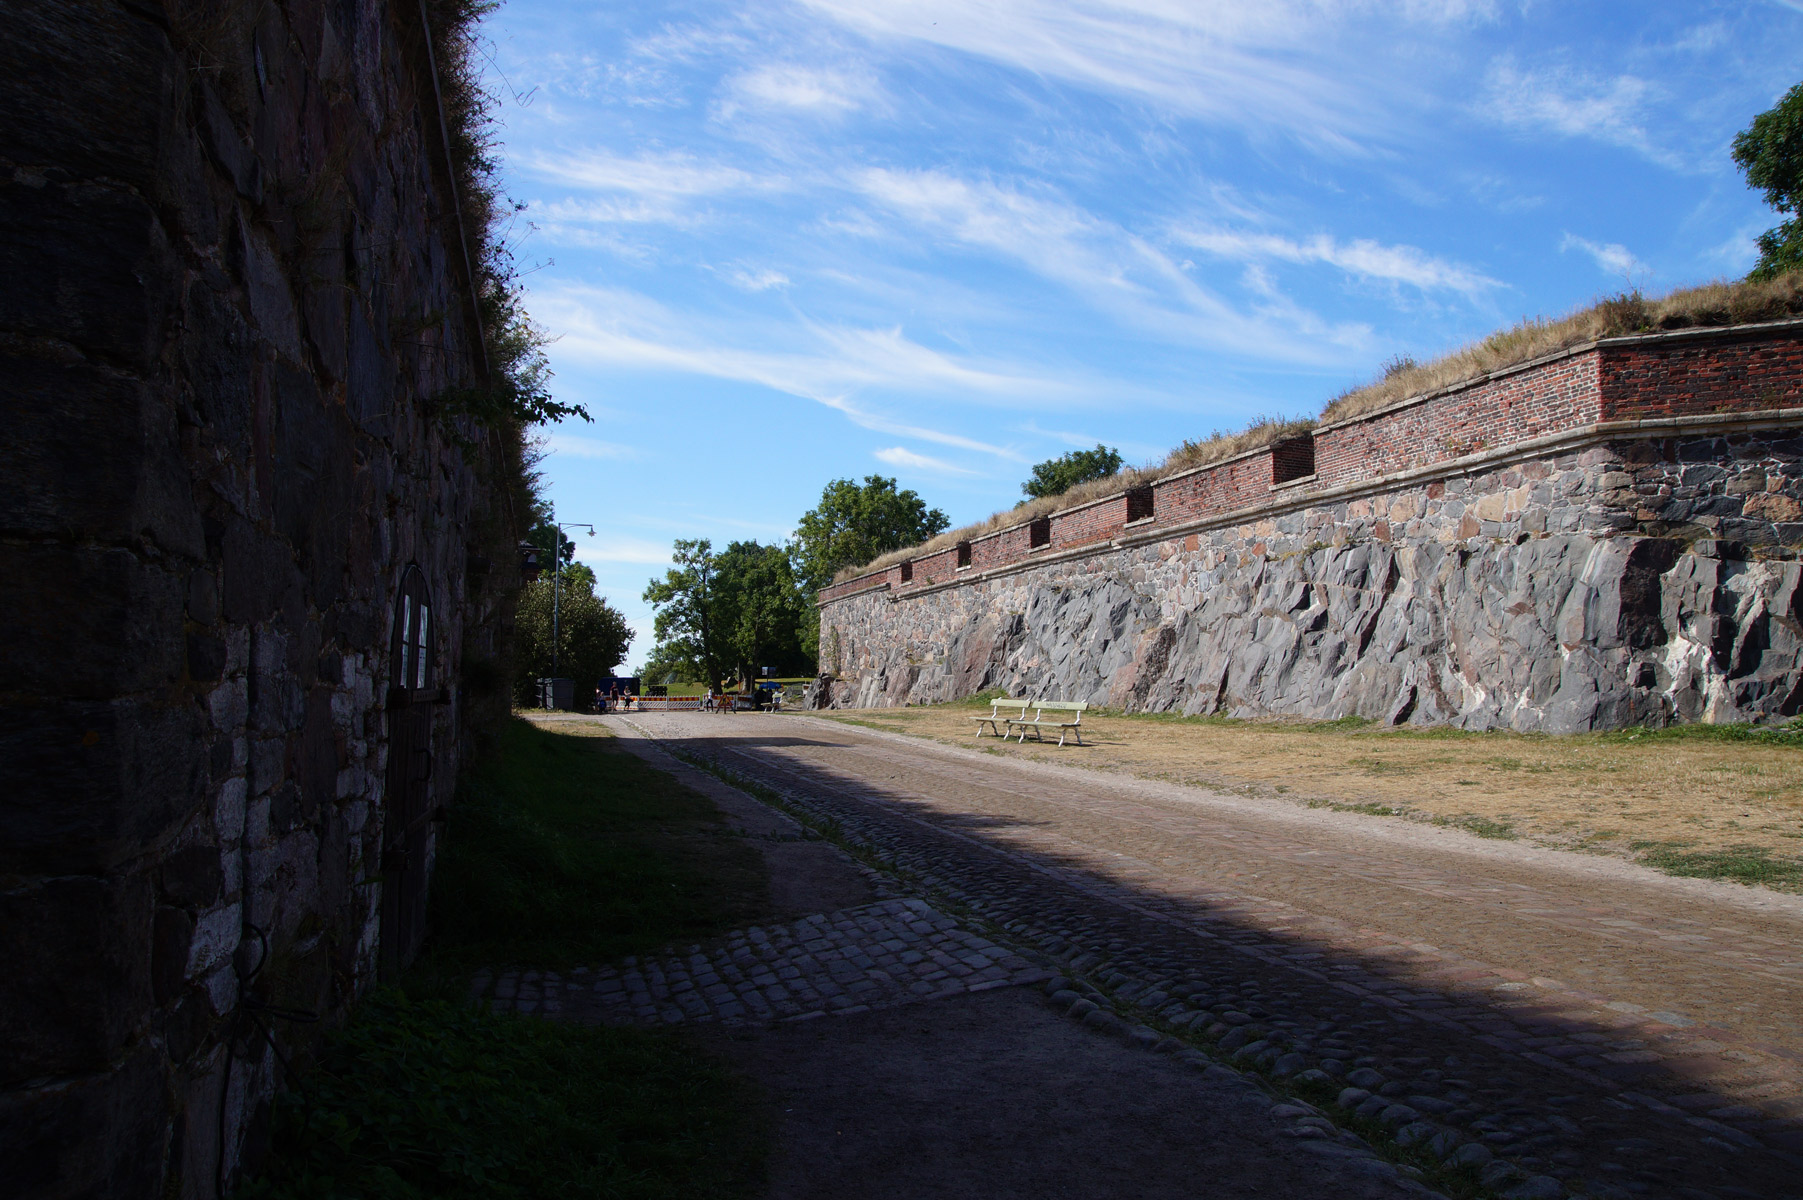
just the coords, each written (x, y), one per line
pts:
(1020, 706)
(1061, 706)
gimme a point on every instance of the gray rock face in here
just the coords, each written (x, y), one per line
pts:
(1549, 596)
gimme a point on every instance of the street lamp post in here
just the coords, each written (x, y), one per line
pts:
(557, 578)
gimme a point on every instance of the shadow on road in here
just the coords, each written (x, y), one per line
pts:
(1614, 1107)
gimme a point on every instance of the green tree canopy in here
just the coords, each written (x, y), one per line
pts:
(592, 636)
(726, 614)
(547, 536)
(1056, 476)
(684, 600)
(763, 610)
(1770, 151)
(855, 523)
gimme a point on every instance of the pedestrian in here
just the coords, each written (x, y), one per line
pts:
(708, 704)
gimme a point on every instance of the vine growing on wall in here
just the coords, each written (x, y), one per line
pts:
(517, 390)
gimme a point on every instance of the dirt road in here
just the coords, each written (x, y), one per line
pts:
(1626, 1031)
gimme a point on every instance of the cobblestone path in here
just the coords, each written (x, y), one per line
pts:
(856, 960)
(1413, 985)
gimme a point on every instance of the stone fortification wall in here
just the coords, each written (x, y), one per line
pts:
(1608, 537)
(235, 287)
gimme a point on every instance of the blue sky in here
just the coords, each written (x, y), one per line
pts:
(789, 242)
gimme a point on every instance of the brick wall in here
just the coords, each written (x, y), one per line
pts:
(1657, 378)
(1521, 405)
(1666, 375)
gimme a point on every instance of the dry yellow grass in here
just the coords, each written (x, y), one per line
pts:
(1712, 304)
(1689, 801)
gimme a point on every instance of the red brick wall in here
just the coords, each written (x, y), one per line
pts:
(1094, 523)
(1223, 488)
(1660, 377)
(1668, 380)
(1485, 415)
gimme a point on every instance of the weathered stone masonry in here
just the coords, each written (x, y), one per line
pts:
(1606, 537)
(233, 283)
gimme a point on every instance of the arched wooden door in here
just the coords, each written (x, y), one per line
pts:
(406, 828)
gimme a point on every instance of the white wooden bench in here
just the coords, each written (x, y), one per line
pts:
(1002, 714)
(1064, 716)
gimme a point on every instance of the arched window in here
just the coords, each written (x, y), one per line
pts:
(410, 664)
(407, 806)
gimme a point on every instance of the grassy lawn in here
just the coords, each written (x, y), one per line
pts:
(565, 849)
(1712, 801)
(561, 849)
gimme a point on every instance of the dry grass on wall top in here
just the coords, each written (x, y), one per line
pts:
(1215, 448)
(1711, 305)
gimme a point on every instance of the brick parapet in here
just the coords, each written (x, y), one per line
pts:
(1692, 373)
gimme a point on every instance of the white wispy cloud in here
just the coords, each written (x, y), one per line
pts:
(1612, 257)
(1363, 257)
(1288, 64)
(620, 328)
(899, 456)
(659, 175)
(761, 280)
(575, 446)
(1573, 103)
(1107, 266)
(796, 88)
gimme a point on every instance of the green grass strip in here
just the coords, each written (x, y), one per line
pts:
(566, 849)
(418, 1099)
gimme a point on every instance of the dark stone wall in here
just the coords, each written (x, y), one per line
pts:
(234, 300)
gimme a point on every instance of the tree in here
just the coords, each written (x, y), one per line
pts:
(592, 636)
(1055, 476)
(684, 600)
(546, 536)
(667, 664)
(762, 610)
(853, 524)
(729, 613)
(1770, 152)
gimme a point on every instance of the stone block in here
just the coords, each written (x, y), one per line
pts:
(115, 79)
(218, 356)
(1768, 506)
(100, 1135)
(191, 877)
(85, 786)
(96, 259)
(88, 623)
(78, 981)
(171, 931)
(90, 454)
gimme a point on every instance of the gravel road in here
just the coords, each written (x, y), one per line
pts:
(1560, 1023)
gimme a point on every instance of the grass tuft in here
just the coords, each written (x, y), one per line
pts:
(1741, 864)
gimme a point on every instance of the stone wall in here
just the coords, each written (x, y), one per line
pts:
(235, 288)
(1608, 560)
